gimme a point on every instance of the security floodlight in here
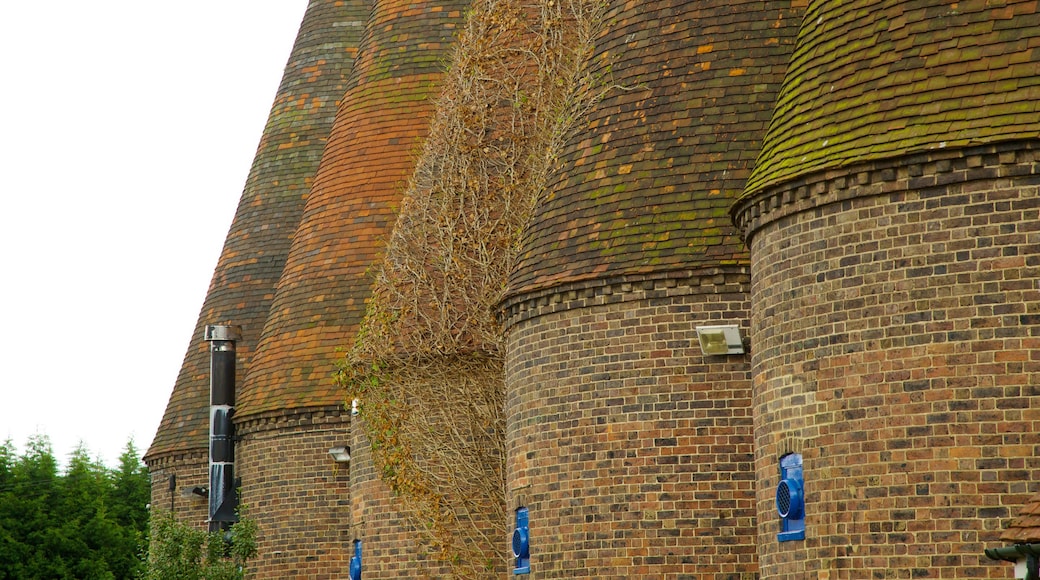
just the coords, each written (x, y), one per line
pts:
(720, 340)
(340, 454)
(198, 491)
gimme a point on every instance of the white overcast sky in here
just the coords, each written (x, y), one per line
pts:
(127, 128)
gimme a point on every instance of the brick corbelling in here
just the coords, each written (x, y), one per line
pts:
(315, 417)
(179, 457)
(597, 292)
(631, 449)
(924, 170)
(872, 79)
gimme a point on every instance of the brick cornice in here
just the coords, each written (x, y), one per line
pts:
(253, 424)
(177, 457)
(283, 419)
(918, 171)
(601, 291)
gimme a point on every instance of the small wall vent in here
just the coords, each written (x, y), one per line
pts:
(790, 499)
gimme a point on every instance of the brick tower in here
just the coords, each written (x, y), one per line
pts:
(290, 411)
(629, 448)
(257, 244)
(876, 413)
(893, 226)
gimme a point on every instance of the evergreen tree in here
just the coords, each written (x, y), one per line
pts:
(13, 550)
(30, 510)
(130, 494)
(88, 523)
(131, 491)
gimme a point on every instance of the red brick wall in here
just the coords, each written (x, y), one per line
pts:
(391, 546)
(299, 497)
(191, 470)
(631, 449)
(896, 317)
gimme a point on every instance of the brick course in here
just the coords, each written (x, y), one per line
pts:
(630, 448)
(191, 469)
(894, 227)
(299, 497)
(896, 339)
(391, 546)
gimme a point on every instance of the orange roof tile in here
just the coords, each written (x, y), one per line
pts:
(269, 210)
(321, 296)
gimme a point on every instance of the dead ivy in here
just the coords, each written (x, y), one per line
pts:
(427, 364)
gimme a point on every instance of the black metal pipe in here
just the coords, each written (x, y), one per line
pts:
(223, 499)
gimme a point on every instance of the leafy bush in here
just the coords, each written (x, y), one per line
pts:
(182, 552)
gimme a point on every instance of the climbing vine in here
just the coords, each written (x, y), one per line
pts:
(427, 364)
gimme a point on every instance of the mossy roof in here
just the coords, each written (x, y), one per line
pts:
(645, 184)
(269, 209)
(321, 296)
(873, 79)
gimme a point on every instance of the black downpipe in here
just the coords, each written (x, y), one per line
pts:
(223, 499)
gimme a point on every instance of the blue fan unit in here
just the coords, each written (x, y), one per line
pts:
(790, 499)
(355, 562)
(522, 543)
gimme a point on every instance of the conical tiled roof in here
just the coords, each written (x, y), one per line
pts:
(646, 184)
(874, 78)
(321, 296)
(269, 210)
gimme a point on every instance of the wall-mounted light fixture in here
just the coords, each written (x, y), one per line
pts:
(197, 491)
(340, 454)
(718, 340)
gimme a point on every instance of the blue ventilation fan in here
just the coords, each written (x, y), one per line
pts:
(355, 562)
(522, 543)
(790, 499)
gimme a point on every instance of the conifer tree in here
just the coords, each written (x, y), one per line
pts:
(87, 523)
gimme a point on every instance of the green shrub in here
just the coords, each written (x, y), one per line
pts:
(178, 551)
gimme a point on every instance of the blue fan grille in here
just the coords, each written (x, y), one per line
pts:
(783, 499)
